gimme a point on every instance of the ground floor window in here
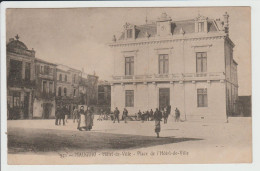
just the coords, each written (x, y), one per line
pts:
(202, 97)
(129, 98)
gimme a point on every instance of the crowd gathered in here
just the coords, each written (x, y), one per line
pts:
(84, 116)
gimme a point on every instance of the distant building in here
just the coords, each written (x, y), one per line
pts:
(104, 93)
(88, 88)
(187, 64)
(20, 80)
(67, 89)
(44, 102)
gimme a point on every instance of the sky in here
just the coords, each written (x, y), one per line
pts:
(79, 37)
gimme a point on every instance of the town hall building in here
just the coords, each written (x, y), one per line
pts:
(187, 64)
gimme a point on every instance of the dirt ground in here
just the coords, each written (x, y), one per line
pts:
(41, 142)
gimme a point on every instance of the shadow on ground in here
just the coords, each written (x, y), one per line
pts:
(44, 140)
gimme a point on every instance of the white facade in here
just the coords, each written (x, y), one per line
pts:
(181, 42)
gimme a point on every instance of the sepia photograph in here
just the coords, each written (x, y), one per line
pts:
(128, 85)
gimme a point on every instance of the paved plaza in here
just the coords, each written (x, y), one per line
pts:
(182, 142)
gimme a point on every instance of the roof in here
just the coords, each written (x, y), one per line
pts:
(188, 26)
(42, 61)
(16, 46)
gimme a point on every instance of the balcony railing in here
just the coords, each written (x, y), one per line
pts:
(169, 77)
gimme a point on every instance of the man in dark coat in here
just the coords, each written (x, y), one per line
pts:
(116, 115)
(62, 115)
(177, 115)
(125, 113)
(57, 115)
(151, 114)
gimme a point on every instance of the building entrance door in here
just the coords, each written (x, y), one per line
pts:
(46, 110)
(164, 97)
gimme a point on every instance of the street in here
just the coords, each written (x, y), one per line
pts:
(199, 142)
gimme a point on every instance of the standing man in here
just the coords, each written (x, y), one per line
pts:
(116, 115)
(165, 115)
(125, 113)
(157, 119)
(62, 115)
(151, 114)
(75, 115)
(66, 112)
(57, 115)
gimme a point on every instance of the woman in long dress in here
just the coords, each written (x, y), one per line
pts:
(89, 119)
(82, 119)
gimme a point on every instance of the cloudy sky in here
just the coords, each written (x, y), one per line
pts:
(78, 37)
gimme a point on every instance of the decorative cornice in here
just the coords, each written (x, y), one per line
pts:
(166, 40)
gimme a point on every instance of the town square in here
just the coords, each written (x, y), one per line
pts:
(128, 85)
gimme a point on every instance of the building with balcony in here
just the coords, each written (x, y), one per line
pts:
(67, 88)
(20, 79)
(88, 89)
(187, 64)
(45, 90)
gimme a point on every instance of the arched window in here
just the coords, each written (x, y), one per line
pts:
(65, 91)
(60, 77)
(59, 91)
(66, 78)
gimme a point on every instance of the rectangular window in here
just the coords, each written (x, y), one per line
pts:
(163, 64)
(46, 70)
(44, 86)
(202, 97)
(129, 98)
(201, 27)
(51, 71)
(129, 65)
(201, 62)
(129, 33)
(15, 72)
(50, 87)
(27, 71)
(42, 69)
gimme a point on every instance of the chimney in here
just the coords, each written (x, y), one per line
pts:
(226, 22)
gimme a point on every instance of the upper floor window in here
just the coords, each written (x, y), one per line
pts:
(50, 71)
(74, 78)
(129, 65)
(201, 27)
(65, 79)
(65, 91)
(74, 92)
(129, 33)
(27, 71)
(129, 98)
(44, 86)
(163, 64)
(202, 97)
(15, 70)
(46, 69)
(59, 91)
(50, 87)
(42, 69)
(60, 77)
(201, 58)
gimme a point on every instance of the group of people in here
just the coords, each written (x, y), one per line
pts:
(61, 113)
(83, 117)
(151, 115)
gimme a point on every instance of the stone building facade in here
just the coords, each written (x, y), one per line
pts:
(186, 64)
(44, 102)
(20, 79)
(67, 89)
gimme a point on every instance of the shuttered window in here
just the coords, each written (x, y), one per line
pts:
(129, 98)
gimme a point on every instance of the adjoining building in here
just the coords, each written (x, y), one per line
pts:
(20, 79)
(187, 64)
(104, 96)
(44, 105)
(67, 89)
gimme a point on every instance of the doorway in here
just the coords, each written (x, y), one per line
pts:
(164, 97)
(46, 110)
(26, 105)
